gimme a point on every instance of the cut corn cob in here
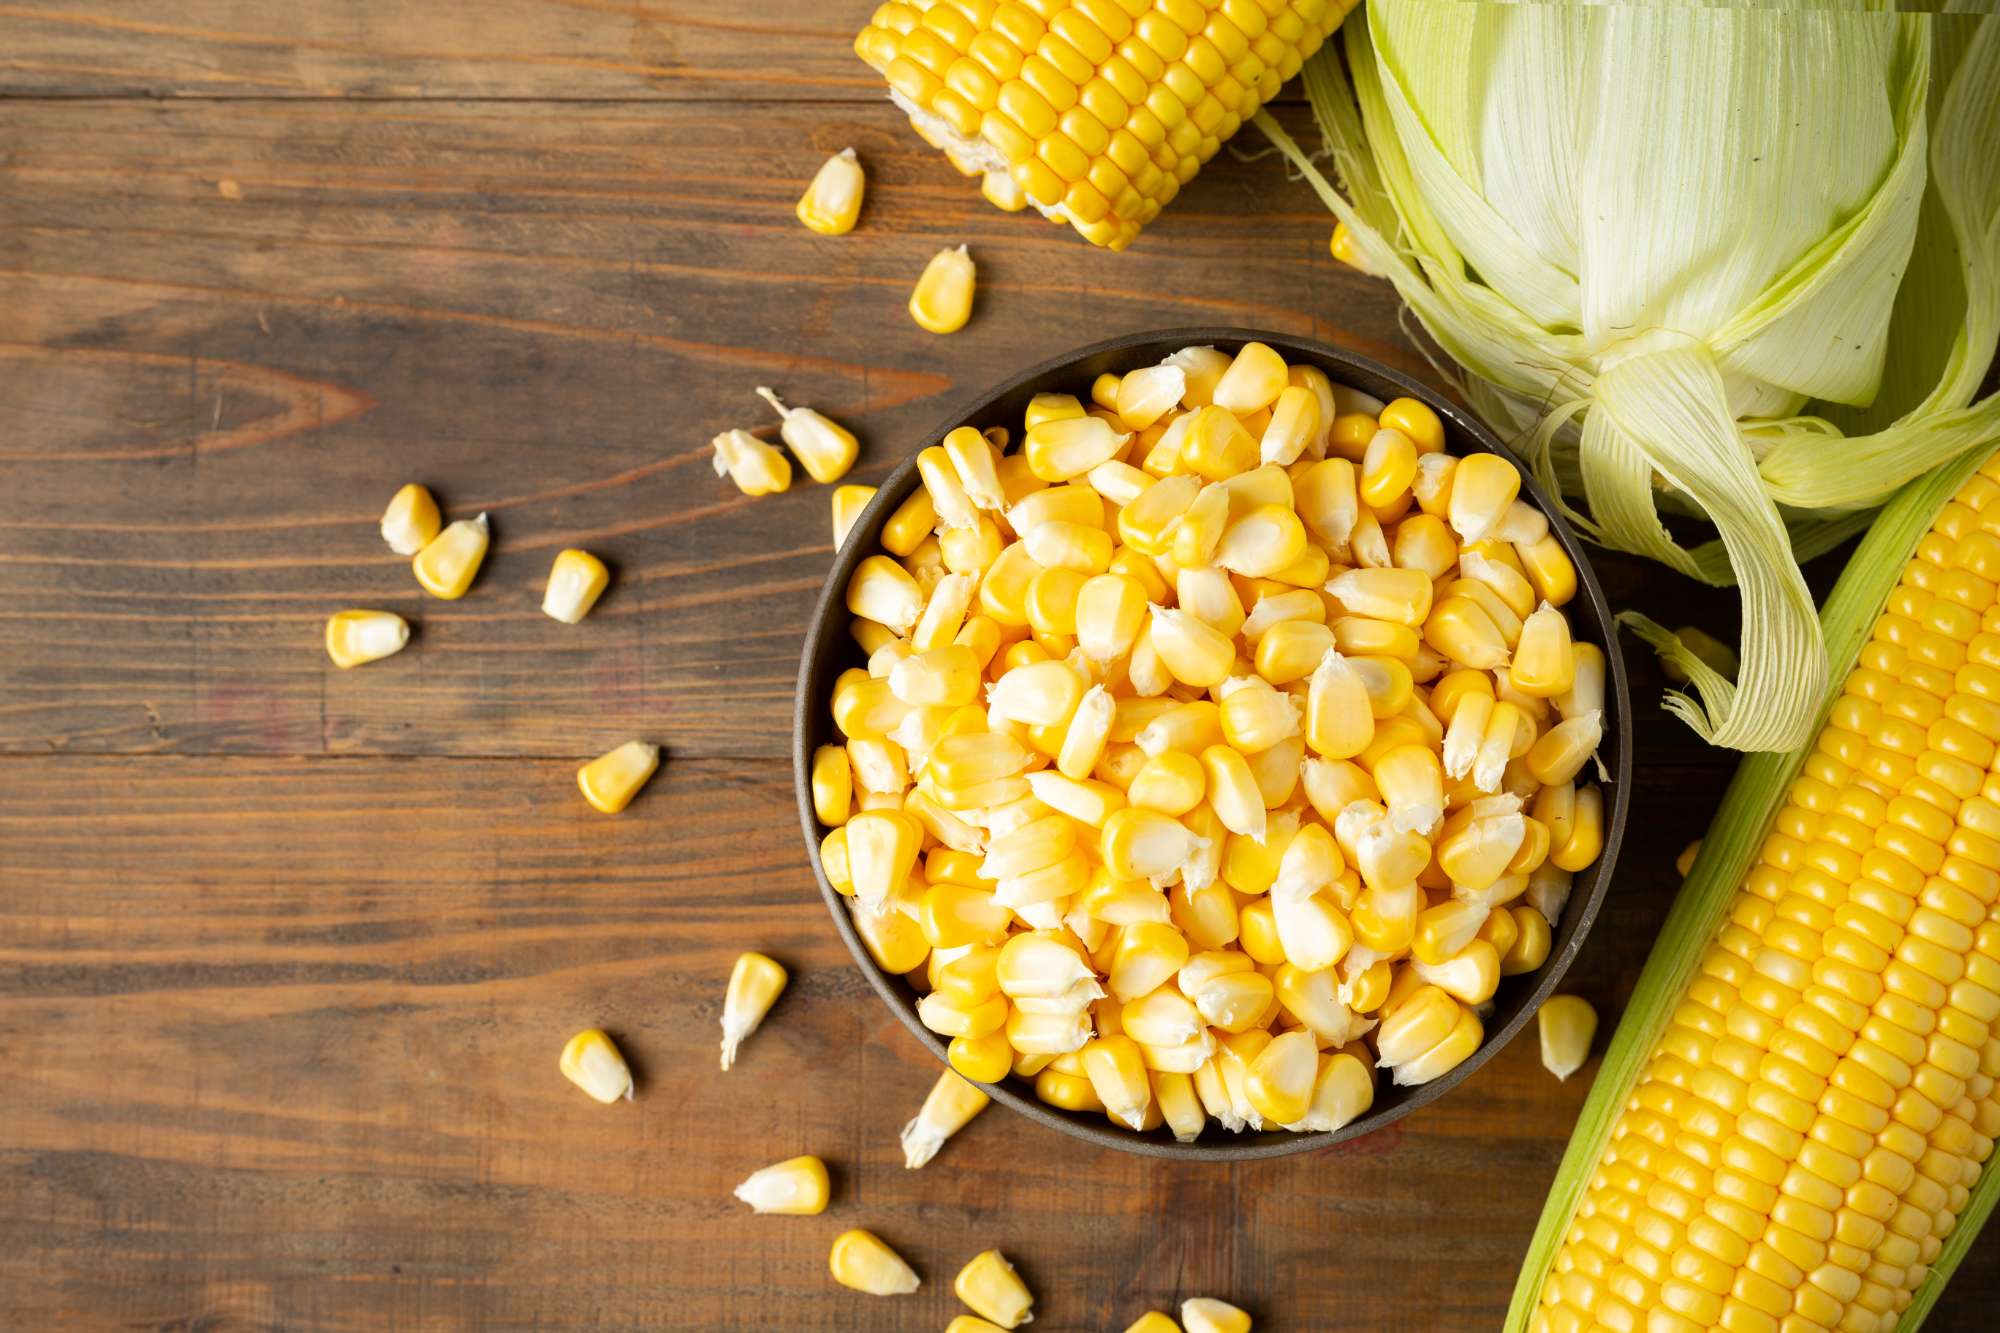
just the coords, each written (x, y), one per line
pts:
(755, 983)
(355, 637)
(576, 580)
(610, 781)
(591, 1061)
(1095, 113)
(449, 561)
(1793, 1114)
(832, 202)
(942, 301)
(991, 1287)
(797, 1188)
(861, 1261)
(411, 520)
(1566, 1024)
(1189, 797)
(949, 1107)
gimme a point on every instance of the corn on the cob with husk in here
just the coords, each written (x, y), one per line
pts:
(1095, 112)
(1788, 1129)
(1214, 750)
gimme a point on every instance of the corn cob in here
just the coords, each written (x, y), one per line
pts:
(1789, 1126)
(1096, 112)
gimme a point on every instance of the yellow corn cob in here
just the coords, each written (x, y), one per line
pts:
(1095, 114)
(592, 1062)
(1819, 1094)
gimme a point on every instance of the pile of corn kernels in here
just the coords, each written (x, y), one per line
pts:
(1220, 746)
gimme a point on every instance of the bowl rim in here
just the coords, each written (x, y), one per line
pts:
(829, 618)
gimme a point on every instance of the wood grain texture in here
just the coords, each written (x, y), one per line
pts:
(287, 953)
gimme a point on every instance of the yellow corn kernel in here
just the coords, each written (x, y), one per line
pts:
(1531, 942)
(1062, 448)
(591, 1061)
(832, 202)
(1339, 721)
(1117, 1073)
(948, 1108)
(1416, 421)
(1264, 543)
(1544, 664)
(1549, 569)
(1281, 1078)
(861, 1261)
(1387, 468)
(1566, 1024)
(1216, 446)
(1450, 1052)
(1461, 629)
(1295, 424)
(449, 561)
(1344, 248)
(1147, 394)
(757, 468)
(942, 301)
(1586, 838)
(990, 1285)
(882, 848)
(826, 448)
(1145, 844)
(1482, 488)
(883, 591)
(1233, 792)
(833, 860)
(1148, 954)
(910, 524)
(1205, 1314)
(1401, 596)
(795, 1188)
(576, 580)
(1565, 748)
(610, 781)
(755, 983)
(411, 521)
(1291, 649)
(355, 637)
(984, 1059)
(1194, 652)
(1253, 380)
(892, 938)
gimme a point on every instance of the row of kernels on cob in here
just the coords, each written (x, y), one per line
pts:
(1225, 741)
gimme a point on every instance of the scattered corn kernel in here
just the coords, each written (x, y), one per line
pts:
(1205, 1314)
(825, 447)
(411, 520)
(795, 1188)
(949, 1107)
(576, 580)
(755, 983)
(861, 1261)
(610, 781)
(756, 467)
(591, 1061)
(1153, 1322)
(354, 637)
(1566, 1023)
(832, 202)
(449, 561)
(942, 301)
(990, 1286)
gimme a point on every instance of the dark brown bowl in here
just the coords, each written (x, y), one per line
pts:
(829, 650)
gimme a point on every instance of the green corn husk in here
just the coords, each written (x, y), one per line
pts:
(1753, 799)
(1724, 261)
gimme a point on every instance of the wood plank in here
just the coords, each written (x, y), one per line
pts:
(281, 1039)
(588, 50)
(543, 315)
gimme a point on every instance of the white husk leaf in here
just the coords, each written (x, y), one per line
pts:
(1738, 262)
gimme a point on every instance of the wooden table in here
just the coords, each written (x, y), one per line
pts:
(288, 952)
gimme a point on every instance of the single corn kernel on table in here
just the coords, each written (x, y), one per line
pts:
(289, 952)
